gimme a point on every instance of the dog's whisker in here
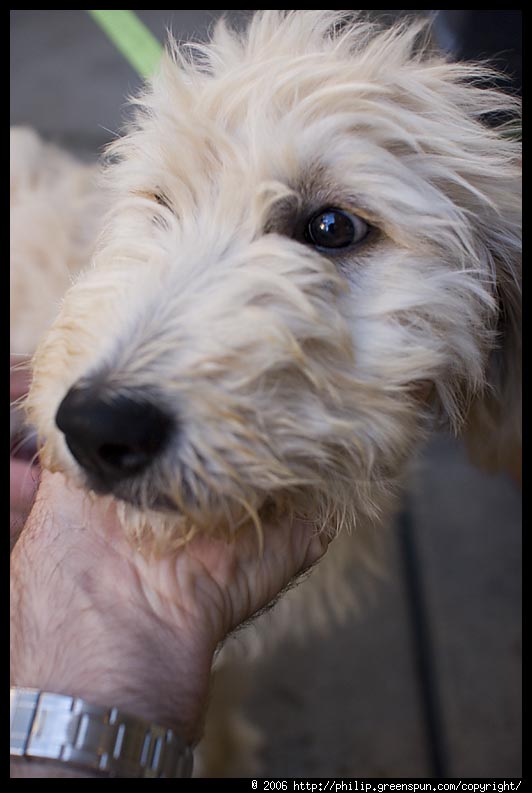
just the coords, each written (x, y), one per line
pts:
(28, 441)
(253, 515)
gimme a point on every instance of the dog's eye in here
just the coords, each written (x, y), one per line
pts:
(335, 228)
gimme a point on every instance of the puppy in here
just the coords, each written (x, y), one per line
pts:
(309, 257)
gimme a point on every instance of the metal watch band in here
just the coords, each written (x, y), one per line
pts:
(67, 730)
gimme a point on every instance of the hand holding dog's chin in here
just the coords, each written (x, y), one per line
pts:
(93, 617)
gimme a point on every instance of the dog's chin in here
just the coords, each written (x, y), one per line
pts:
(160, 503)
(157, 502)
(216, 514)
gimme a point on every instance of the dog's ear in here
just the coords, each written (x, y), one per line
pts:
(493, 426)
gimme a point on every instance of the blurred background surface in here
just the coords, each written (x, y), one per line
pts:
(427, 680)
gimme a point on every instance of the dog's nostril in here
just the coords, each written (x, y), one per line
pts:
(112, 438)
(122, 456)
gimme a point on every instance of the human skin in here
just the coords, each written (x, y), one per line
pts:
(94, 617)
(23, 473)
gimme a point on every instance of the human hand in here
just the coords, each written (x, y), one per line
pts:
(24, 469)
(93, 617)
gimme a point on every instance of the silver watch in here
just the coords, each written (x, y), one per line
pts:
(67, 730)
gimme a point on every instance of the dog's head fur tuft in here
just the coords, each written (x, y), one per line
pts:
(301, 377)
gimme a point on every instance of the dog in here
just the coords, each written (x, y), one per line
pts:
(302, 256)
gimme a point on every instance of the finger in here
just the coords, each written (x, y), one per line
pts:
(23, 482)
(314, 543)
(20, 377)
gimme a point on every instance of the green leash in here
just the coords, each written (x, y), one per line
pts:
(143, 51)
(132, 38)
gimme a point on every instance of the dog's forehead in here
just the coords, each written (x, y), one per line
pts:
(288, 121)
(290, 110)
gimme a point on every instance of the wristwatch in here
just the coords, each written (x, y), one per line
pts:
(104, 741)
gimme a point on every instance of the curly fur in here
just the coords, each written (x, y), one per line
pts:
(299, 380)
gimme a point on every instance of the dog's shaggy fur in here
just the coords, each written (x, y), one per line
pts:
(301, 378)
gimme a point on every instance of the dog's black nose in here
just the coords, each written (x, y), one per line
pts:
(112, 438)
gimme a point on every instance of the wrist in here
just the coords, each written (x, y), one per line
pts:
(55, 728)
(83, 625)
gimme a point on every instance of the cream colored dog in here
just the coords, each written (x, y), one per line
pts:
(309, 255)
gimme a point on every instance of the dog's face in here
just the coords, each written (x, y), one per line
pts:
(310, 240)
